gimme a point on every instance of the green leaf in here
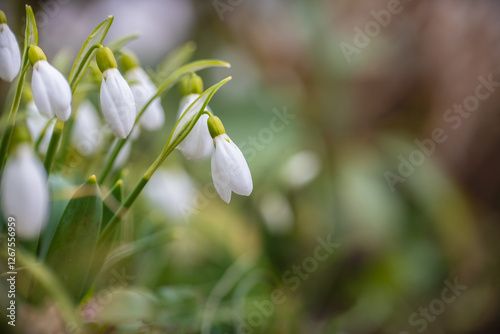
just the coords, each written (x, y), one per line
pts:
(59, 200)
(31, 34)
(188, 119)
(52, 285)
(174, 60)
(71, 252)
(111, 203)
(119, 43)
(83, 59)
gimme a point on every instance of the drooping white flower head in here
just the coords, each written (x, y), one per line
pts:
(143, 89)
(198, 144)
(117, 100)
(87, 136)
(25, 193)
(51, 91)
(230, 170)
(10, 56)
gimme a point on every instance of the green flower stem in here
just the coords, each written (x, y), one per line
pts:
(53, 145)
(117, 146)
(11, 120)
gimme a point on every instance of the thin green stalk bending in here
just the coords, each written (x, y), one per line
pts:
(53, 145)
(11, 120)
(77, 77)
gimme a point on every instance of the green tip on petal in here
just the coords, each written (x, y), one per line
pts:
(105, 59)
(191, 84)
(35, 54)
(92, 179)
(215, 126)
(3, 18)
(128, 61)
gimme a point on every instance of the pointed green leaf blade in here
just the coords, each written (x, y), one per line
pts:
(174, 60)
(71, 251)
(96, 37)
(31, 34)
(119, 43)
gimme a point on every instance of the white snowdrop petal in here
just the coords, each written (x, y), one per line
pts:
(51, 91)
(10, 55)
(40, 94)
(221, 181)
(25, 193)
(117, 103)
(233, 163)
(143, 89)
(198, 143)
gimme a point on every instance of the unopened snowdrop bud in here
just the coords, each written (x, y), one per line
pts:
(117, 100)
(191, 84)
(25, 193)
(10, 56)
(230, 170)
(143, 89)
(51, 91)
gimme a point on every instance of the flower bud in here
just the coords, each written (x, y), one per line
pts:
(128, 61)
(191, 84)
(10, 55)
(3, 18)
(215, 126)
(35, 54)
(51, 90)
(105, 59)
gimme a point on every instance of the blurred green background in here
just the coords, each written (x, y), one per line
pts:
(331, 102)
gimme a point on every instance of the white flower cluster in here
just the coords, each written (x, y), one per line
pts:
(24, 186)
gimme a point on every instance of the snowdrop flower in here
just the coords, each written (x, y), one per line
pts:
(51, 91)
(117, 100)
(87, 136)
(143, 89)
(25, 193)
(10, 56)
(230, 170)
(198, 144)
